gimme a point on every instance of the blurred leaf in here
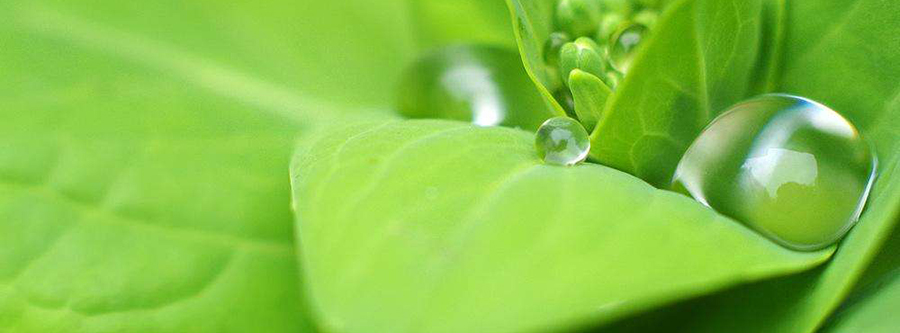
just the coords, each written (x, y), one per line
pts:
(144, 150)
(478, 83)
(307, 47)
(441, 22)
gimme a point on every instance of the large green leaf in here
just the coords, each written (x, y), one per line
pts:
(436, 226)
(144, 150)
(850, 64)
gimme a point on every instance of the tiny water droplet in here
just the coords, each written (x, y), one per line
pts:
(562, 141)
(485, 85)
(623, 44)
(788, 167)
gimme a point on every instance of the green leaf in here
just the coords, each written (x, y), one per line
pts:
(858, 46)
(695, 64)
(441, 22)
(873, 312)
(438, 226)
(590, 94)
(532, 24)
(766, 73)
(305, 47)
(144, 151)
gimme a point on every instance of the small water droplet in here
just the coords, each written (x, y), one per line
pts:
(562, 141)
(788, 167)
(623, 44)
(485, 85)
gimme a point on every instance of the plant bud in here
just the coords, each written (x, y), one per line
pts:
(583, 54)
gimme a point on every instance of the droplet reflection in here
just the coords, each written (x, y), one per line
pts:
(788, 167)
(562, 141)
(485, 85)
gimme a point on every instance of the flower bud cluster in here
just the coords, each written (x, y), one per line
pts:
(596, 38)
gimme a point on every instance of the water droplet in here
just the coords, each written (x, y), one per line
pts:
(623, 44)
(485, 85)
(788, 167)
(562, 141)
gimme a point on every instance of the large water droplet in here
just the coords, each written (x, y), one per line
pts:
(562, 141)
(485, 85)
(623, 44)
(790, 168)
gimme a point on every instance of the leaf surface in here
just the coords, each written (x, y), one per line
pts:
(144, 151)
(532, 24)
(439, 22)
(849, 64)
(873, 311)
(696, 63)
(436, 226)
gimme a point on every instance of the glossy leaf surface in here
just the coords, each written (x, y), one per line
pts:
(818, 60)
(435, 226)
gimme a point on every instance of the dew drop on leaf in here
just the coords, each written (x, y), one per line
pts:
(790, 168)
(485, 85)
(562, 141)
(623, 43)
